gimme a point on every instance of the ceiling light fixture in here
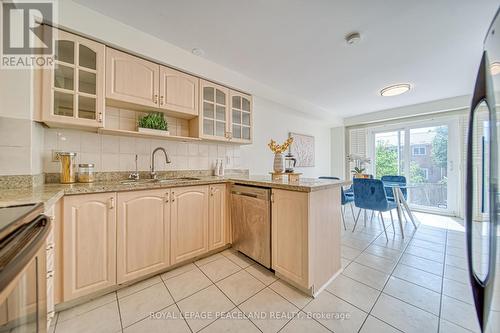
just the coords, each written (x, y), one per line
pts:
(198, 52)
(495, 68)
(394, 90)
(352, 38)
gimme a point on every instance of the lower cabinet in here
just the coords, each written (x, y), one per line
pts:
(189, 222)
(290, 235)
(143, 233)
(89, 244)
(217, 217)
(112, 238)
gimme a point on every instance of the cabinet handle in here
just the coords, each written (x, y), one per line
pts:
(166, 197)
(272, 197)
(111, 203)
(155, 98)
(211, 191)
(173, 197)
(99, 117)
(161, 100)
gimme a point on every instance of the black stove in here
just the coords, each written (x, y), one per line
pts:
(13, 217)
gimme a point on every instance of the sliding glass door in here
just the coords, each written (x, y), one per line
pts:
(421, 152)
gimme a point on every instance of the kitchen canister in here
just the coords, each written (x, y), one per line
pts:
(68, 172)
(86, 173)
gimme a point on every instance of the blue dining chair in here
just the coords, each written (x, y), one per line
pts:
(394, 179)
(344, 199)
(370, 194)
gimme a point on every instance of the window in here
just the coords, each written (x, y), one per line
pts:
(419, 151)
(425, 172)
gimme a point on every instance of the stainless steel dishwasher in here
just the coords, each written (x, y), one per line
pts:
(251, 222)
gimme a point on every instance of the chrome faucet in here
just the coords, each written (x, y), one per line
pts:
(167, 160)
(134, 175)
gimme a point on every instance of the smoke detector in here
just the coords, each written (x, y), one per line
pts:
(352, 38)
(198, 52)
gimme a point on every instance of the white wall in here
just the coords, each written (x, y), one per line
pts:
(274, 121)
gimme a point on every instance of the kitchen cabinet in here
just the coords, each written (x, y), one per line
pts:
(89, 243)
(217, 217)
(189, 222)
(241, 117)
(289, 235)
(214, 115)
(306, 230)
(73, 91)
(130, 79)
(178, 91)
(139, 82)
(143, 233)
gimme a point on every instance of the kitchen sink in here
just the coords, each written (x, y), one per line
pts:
(171, 180)
(137, 181)
(160, 181)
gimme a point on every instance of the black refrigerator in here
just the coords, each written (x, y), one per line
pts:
(482, 206)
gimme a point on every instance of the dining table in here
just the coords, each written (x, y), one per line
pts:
(401, 203)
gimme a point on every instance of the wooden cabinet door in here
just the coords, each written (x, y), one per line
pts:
(178, 91)
(73, 91)
(131, 79)
(214, 111)
(289, 235)
(89, 244)
(241, 124)
(189, 222)
(217, 217)
(143, 233)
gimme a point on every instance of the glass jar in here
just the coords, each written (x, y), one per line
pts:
(67, 160)
(86, 173)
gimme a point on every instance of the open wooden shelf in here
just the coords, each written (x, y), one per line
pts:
(110, 131)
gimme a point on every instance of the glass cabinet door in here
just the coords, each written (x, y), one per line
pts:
(241, 122)
(77, 81)
(214, 111)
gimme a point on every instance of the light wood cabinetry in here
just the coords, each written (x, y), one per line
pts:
(241, 117)
(213, 122)
(217, 217)
(289, 235)
(131, 79)
(73, 91)
(89, 243)
(143, 233)
(189, 222)
(178, 91)
(306, 237)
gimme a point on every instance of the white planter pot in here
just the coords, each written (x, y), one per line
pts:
(153, 131)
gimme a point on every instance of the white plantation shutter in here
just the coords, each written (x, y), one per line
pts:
(357, 144)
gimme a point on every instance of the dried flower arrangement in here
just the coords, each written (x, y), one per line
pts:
(278, 149)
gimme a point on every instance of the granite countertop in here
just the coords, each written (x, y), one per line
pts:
(50, 193)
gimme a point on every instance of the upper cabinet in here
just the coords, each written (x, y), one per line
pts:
(73, 91)
(136, 81)
(214, 117)
(241, 117)
(178, 91)
(225, 114)
(131, 79)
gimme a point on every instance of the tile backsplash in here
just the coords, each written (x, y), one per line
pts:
(117, 153)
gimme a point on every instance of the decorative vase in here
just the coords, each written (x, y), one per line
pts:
(279, 165)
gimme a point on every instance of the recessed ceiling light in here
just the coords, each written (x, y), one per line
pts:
(198, 52)
(352, 38)
(394, 90)
(495, 68)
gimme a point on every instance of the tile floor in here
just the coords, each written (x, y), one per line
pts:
(416, 284)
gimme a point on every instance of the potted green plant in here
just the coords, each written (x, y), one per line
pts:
(153, 123)
(358, 172)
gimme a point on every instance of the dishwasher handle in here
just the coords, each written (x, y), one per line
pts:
(252, 195)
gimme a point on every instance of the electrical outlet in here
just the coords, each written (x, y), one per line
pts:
(55, 156)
